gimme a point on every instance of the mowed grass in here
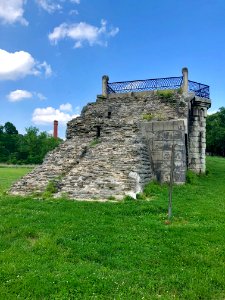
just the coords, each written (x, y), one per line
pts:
(9, 175)
(61, 249)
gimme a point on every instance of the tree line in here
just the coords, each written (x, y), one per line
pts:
(32, 147)
(215, 133)
(29, 148)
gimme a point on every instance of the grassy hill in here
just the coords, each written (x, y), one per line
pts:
(60, 249)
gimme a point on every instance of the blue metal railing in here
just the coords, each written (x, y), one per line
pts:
(169, 83)
(200, 89)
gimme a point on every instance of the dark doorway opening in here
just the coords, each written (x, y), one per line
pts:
(98, 131)
(109, 114)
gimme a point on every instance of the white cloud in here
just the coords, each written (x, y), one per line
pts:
(40, 96)
(78, 45)
(52, 6)
(12, 11)
(49, 5)
(83, 32)
(73, 12)
(19, 64)
(45, 116)
(65, 107)
(47, 68)
(19, 95)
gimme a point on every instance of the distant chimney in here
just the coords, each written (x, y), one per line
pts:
(55, 132)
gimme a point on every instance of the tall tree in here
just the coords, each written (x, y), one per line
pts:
(215, 133)
(29, 148)
(9, 128)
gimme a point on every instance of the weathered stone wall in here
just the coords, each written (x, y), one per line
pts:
(120, 111)
(160, 137)
(116, 146)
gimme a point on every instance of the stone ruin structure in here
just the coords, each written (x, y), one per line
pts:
(124, 140)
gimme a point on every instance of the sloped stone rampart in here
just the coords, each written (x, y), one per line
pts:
(57, 163)
(106, 152)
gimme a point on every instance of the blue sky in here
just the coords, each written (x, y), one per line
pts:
(53, 53)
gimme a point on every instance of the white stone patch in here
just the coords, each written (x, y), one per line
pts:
(137, 178)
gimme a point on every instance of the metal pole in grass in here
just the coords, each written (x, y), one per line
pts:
(171, 182)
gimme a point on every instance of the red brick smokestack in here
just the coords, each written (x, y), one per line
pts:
(55, 133)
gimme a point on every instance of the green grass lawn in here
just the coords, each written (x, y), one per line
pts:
(60, 249)
(9, 174)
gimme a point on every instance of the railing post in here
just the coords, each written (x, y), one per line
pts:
(105, 80)
(185, 80)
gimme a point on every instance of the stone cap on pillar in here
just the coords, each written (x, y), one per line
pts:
(185, 80)
(201, 102)
(105, 80)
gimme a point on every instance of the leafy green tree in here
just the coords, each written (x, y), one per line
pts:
(8, 141)
(9, 128)
(215, 133)
(29, 148)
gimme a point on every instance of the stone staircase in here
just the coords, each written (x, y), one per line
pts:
(57, 163)
(111, 168)
(114, 166)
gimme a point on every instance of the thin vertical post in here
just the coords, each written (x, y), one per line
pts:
(171, 183)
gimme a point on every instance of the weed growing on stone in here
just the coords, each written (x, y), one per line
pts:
(50, 190)
(148, 117)
(112, 198)
(180, 91)
(95, 142)
(165, 94)
(155, 116)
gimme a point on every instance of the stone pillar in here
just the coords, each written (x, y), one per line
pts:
(185, 80)
(197, 134)
(105, 80)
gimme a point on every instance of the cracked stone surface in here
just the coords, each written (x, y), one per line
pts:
(120, 143)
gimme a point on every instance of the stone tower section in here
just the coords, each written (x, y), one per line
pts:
(197, 134)
(124, 140)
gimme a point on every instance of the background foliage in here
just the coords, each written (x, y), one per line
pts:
(29, 148)
(215, 133)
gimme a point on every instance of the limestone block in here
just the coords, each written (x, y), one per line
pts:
(158, 145)
(168, 135)
(168, 125)
(178, 135)
(158, 126)
(178, 125)
(158, 135)
(167, 155)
